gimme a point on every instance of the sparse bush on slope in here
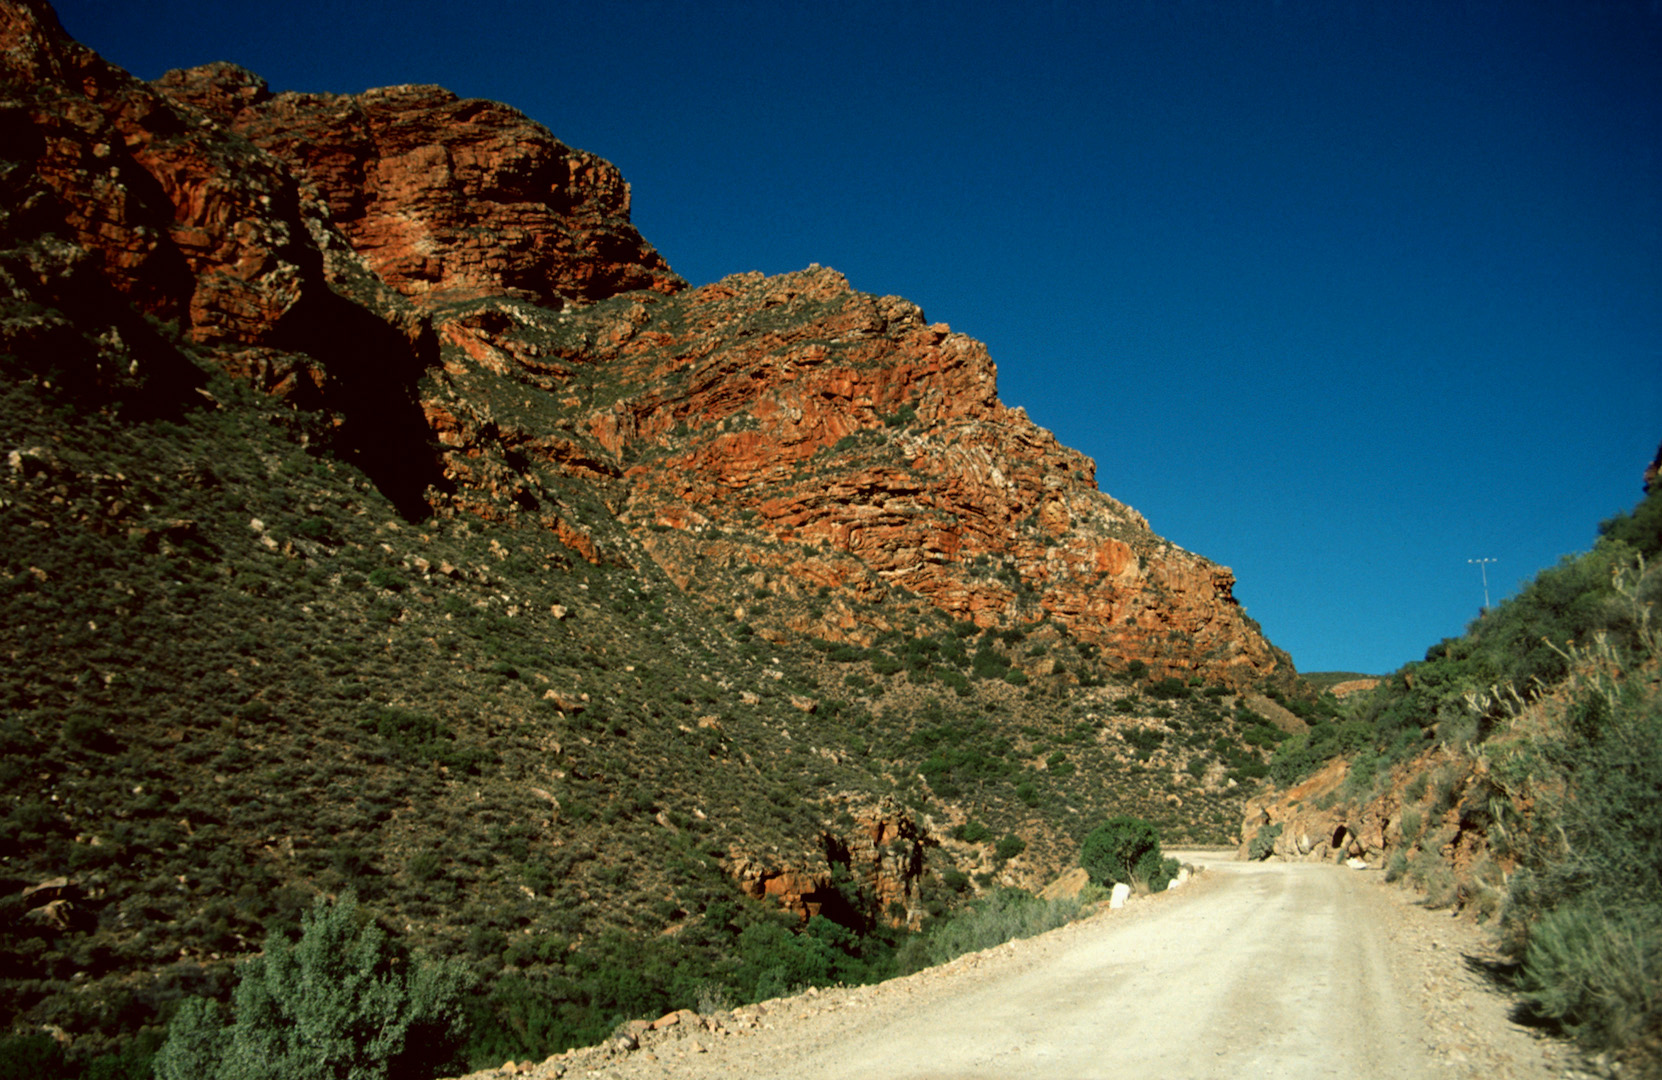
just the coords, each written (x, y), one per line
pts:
(339, 1004)
(999, 917)
(1582, 912)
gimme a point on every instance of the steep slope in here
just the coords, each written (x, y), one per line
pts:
(795, 437)
(738, 407)
(380, 512)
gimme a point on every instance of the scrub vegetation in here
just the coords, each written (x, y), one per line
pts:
(238, 678)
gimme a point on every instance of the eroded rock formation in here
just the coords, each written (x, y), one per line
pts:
(468, 295)
(812, 440)
(443, 197)
(870, 872)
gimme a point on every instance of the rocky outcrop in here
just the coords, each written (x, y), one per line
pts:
(442, 197)
(869, 872)
(183, 220)
(813, 440)
(453, 284)
(1438, 801)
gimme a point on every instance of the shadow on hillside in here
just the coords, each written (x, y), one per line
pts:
(374, 370)
(95, 351)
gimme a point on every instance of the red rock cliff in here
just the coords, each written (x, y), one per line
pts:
(816, 440)
(449, 264)
(444, 197)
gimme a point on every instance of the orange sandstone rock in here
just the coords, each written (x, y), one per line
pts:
(444, 197)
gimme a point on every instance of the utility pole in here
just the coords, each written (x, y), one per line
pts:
(1483, 565)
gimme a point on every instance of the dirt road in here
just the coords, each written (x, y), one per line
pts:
(1256, 970)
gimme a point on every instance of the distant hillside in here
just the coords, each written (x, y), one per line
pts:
(381, 513)
(1322, 681)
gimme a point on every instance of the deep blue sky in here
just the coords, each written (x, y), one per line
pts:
(1339, 295)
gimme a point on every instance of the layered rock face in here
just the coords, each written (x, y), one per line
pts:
(448, 263)
(184, 221)
(814, 441)
(444, 197)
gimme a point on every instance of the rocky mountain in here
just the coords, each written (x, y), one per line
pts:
(381, 511)
(827, 438)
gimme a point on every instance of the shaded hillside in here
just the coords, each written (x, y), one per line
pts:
(381, 513)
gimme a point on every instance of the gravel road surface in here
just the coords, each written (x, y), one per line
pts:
(1286, 970)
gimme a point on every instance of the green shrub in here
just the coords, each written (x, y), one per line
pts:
(198, 1042)
(1168, 689)
(1583, 906)
(31, 1057)
(1003, 916)
(1412, 822)
(989, 663)
(339, 1003)
(1264, 735)
(1262, 845)
(1009, 846)
(1156, 871)
(1118, 850)
(1597, 972)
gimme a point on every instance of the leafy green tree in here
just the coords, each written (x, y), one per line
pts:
(339, 1004)
(1118, 848)
(197, 1041)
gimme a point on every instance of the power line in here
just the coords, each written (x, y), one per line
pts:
(1483, 565)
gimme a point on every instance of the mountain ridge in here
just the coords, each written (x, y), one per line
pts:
(354, 541)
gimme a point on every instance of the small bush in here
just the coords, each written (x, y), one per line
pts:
(1412, 822)
(1599, 973)
(1262, 845)
(1168, 689)
(338, 1003)
(31, 1057)
(1009, 846)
